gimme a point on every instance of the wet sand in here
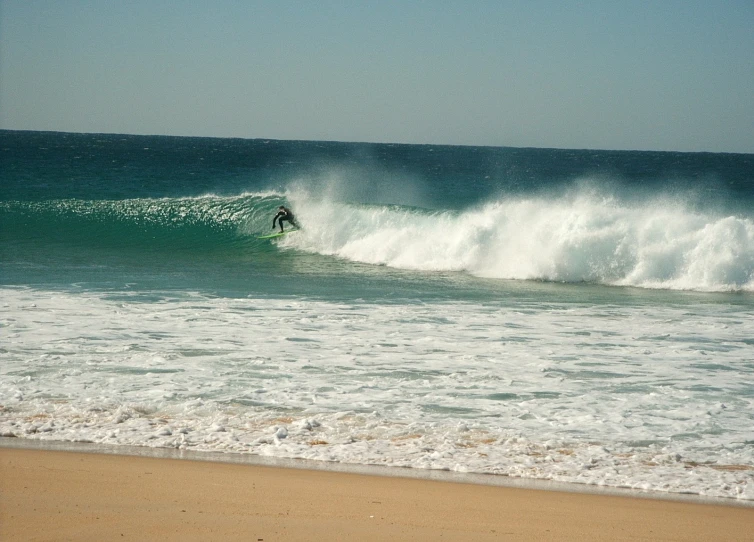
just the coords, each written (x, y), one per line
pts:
(54, 495)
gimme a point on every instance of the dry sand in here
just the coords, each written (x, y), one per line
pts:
(52, 495)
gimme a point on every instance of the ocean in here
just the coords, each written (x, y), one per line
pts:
(579, 316)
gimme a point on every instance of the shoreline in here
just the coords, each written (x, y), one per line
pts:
(65, 495)
(365, 469)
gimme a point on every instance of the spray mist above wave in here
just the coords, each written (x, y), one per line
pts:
(583, 237)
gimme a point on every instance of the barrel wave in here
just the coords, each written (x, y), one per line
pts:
(202, 224)
(582, 237)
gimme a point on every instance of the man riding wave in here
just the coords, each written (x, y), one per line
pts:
(284, 214)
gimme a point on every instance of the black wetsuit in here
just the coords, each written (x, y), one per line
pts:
(284, 214)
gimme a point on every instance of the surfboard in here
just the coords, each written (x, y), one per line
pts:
(278, 234)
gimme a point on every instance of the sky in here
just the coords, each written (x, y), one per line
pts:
(641, 75)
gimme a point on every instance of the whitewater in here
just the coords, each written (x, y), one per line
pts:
(585, 237)
(510, 312)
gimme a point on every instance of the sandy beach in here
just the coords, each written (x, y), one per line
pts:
(53, 495)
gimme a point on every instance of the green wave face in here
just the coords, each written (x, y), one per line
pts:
(202, 224)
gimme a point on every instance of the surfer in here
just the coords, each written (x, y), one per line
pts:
(284, 214)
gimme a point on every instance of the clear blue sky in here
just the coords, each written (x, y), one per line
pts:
(665, 75)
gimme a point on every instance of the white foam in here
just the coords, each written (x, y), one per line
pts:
(582, 237)
(629, 396)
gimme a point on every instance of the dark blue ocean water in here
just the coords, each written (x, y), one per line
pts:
(576, 315)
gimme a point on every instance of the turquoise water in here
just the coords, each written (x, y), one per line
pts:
(582, 316)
